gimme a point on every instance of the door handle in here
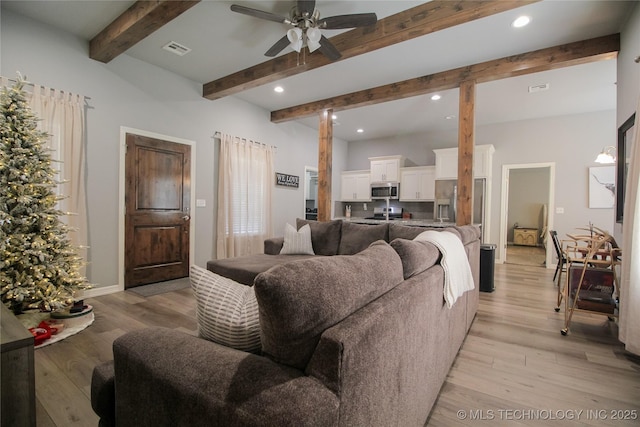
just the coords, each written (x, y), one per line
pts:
(186, 218)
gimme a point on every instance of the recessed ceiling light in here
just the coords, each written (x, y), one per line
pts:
(334, 117)
(278, 89)
(435, 97)
(450, 117)
(521, 21)
(360, 130)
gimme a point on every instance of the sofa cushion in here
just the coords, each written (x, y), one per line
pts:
(297, 242)
(227, 311)
(299, 300)
(397, 231)
(468, 233)
(325, 236)
(416, 256)
(357, 237)
(244, 269)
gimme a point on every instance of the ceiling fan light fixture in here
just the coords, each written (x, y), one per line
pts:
(295, 37)
(313, 39)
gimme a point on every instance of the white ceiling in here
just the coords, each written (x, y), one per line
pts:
(224, 42)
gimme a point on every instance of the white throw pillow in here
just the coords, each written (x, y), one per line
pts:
(297, 241)
(227, 311)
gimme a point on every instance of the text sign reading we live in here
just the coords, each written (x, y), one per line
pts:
(287, 180)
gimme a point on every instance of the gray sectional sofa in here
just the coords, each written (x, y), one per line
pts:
(358, 335)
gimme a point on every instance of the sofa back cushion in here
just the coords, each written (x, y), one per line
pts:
(357, 237)
(468, 233)
(325, 236)
(416, 256)
(397, 231)
(299, 300)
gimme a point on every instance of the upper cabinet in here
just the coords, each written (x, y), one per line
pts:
(355, 187)
(417, 184)
(447, 162)
(386, 168)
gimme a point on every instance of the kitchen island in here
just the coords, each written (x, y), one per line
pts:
(410, 222)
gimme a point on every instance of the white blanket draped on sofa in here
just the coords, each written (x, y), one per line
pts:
(457, 273)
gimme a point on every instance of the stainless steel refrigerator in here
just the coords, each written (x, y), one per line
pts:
(445, 204)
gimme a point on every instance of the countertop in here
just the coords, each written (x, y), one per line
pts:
(409, 222)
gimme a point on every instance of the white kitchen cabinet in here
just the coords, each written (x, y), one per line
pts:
(417, 183)
(355, 187)
(447, 162)
(386, 168)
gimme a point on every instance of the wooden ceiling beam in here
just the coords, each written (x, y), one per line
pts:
(136, 23)
(581, 52)
(415, 22)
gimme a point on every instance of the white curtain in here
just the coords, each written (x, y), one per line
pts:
(245, 180)
(630, 287)
(61, 115)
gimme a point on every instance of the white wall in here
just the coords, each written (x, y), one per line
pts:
(628, 69)
(628, 77)
(572, 142)
(131, 93)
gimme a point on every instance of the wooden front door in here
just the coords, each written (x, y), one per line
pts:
(157, 217)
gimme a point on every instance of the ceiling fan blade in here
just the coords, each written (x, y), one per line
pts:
(259, 14)
(328, 49)
(306, 7)
(348, 21)
(278, 46)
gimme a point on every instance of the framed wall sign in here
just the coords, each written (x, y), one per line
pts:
(285, 180)
(625, 139)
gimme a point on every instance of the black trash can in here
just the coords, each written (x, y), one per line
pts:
(487, 266)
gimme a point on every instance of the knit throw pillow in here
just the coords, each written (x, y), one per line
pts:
(297, 242)
(227, 311)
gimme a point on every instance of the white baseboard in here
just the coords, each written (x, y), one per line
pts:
(102, 290)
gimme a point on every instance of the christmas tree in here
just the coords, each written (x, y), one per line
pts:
(39, 267)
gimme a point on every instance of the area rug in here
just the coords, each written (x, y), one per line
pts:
(161, 287)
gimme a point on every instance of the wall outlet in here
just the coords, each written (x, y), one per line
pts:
(559, 210)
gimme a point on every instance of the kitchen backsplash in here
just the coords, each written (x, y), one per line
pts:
(418, 210)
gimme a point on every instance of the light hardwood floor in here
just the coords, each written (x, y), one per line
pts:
(515, 368)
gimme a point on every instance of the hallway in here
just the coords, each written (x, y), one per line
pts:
(525, 255)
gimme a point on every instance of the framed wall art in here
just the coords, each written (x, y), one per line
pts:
(602, 187)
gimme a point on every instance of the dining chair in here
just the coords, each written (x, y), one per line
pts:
(562, 259)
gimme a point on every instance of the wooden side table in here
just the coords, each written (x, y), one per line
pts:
(17, 372)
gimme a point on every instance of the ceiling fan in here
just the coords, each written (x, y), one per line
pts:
(306, 25)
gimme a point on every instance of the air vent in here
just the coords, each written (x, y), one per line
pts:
(176, 48)
(539, 88)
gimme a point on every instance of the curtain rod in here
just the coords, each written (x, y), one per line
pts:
(218, 134)
(33, 85)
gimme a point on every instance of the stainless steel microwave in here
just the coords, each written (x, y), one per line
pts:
(385, 190)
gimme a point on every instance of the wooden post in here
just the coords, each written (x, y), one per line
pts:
(325, 148)
(466, 142)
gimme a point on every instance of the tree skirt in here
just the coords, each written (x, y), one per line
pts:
(73, 324)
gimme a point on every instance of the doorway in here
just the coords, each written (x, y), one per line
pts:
(310, 193)
(156, 201)
(526, 214)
